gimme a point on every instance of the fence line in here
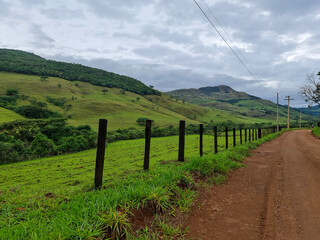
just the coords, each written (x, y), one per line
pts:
(253, 134)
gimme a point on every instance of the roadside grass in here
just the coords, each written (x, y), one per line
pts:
(316, 131)
(165, 190)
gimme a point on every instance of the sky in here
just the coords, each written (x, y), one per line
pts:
(171, 45)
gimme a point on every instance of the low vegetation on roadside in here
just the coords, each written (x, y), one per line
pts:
(316, 131)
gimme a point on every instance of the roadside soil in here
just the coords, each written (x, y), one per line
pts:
(276, 196)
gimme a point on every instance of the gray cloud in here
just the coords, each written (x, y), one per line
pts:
(41, 39)
(170, 44)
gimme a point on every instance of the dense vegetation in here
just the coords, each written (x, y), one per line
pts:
(21, 140)
(28, 63)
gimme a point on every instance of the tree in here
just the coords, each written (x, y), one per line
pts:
(311, 90)
(12, 92)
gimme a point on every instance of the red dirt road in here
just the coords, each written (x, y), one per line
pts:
(277, 196)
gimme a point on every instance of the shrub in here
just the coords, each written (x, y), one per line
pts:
(12, 92)
(11, 150)
(36, 112)
(72, 144)
(42, 146)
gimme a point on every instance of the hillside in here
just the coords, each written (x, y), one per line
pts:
(206, 94)
(87, 103)
(224, 97)
(8, 116)
(83, 95)
(314, 111)
(23, 62)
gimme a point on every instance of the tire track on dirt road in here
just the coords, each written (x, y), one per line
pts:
(276, 196)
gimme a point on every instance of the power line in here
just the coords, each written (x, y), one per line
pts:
(240, 60)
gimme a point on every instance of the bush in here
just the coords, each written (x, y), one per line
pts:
(8, 101)
(36, 112)
(72, 144)
(11, 150)
(59, 102)
(42, 146)
(12, 92)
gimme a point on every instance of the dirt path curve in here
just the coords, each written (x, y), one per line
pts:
(277, 196)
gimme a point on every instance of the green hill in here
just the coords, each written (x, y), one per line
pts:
(83, 95)
(87, 103)
(28, 63)
(224, 97)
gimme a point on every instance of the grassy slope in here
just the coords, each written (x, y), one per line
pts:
(8, 116)
(90, 103)
(244, 104)
(121, 110)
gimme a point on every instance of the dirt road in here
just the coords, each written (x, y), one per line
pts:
(277, 196)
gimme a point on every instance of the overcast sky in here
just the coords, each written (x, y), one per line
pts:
(170, 44)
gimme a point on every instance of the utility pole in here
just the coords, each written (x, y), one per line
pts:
(289, 99)
(277, 112)
(300, 118)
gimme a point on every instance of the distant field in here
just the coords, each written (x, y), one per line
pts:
(9, 116)
(66, 174)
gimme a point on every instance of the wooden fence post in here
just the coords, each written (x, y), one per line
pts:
(182, 128)
(249, 130)
(240, 136)
(147, 145)
(256, 133)
(101, 147)
(253, 135)
(201, 140)
(215, 130)
(234, 137)
(259, 133)
(226, 138)
(245, 135)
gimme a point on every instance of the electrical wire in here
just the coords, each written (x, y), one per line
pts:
(226, 42)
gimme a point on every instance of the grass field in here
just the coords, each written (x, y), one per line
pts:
(122, 110)
(9, 116)
(66, 174)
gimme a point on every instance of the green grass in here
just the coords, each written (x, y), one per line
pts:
(74, 212)
(66, 174)
(316, 131)
(9, 116)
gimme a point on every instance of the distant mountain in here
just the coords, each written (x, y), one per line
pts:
(225, 98)
(314, 111)
(28, 63)
(206, 94)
